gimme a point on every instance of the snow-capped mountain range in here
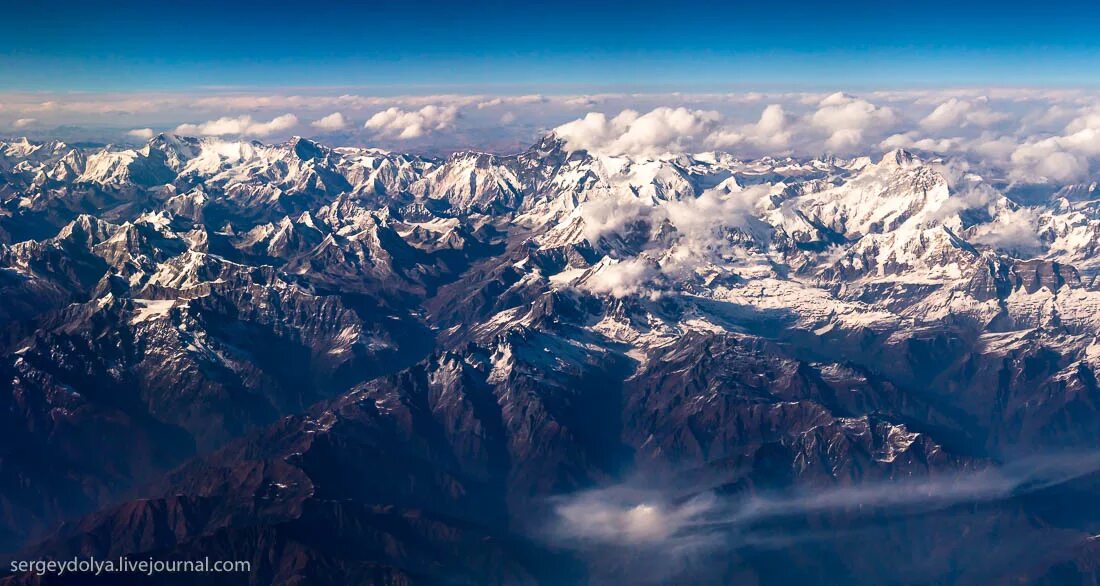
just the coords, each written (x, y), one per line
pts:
(280, 350)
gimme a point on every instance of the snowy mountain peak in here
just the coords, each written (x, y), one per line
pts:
(899, 158)
(306, 149)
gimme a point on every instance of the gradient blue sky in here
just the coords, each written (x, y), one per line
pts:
(567, 45)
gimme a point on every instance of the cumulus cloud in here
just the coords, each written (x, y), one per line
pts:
(24, 122)
(772, 132)
(141, 133)
(1012, 231)
(401, 124)
(990, 147)
(700, 229)
(610, 215)
(658, 132)
(968, 192)
(716, 210)
(849, 120)
(959, 113)
(240, 126)
(1087, 121)
(703, 226)
(697, 219)
(619, 278)
(330, 123)
(1049, 159)
(1063, 157)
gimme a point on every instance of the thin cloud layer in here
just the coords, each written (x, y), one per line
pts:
(665, 526)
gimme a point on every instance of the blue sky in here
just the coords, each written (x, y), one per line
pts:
(563, 46)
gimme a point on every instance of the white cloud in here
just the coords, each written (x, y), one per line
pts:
(696, 219)
(108, 104)
(24, 122)
(956, 113)
(401, 124)
(1047, 159)
(994, 148)
(669, 520)
(700, 230)
(772, 132)
(703, 224)
(1012, 230)
(715, 210)
(330, 123)
(630, 517)
(511, 100)
(1053, 136)
(142, 133)
(849, 120)
(964, 196)
(658, 132)
(240, 126)
(773, 128)
(911, 140)
(610, 215)
(582, 102)
(619, 278)
(1063, 157)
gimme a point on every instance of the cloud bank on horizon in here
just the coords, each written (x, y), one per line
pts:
(1032, 135)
